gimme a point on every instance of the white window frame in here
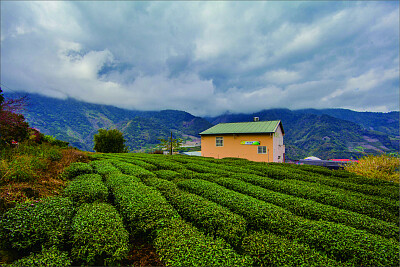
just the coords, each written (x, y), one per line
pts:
(264, 150)
(219, 141)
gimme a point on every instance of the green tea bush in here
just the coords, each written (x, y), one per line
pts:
(163, 163)
(143, 164)
(143, 207)
(134, 170)
(104, 167)
(268, 249)
(338, 241)
(180, 244)
(209, 216)
(99, 236)
(168, 174)
(311, 209)
(86, 188)
(47, 257)
(374, 190)
(76, 169)
(29, 225)
(383, 209)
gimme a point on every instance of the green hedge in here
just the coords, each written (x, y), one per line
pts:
(374, 206)
(47, 257)
(30, 225)
(374, 190)
(209, 216)
(86, 188)
(164, 163)
(141, 163)
(143, 207)
(134, 170)
(168, 174)
(181, 244)
(326, 195)
(76, 169)
(99, 235)
(104, 167)
(311, 209)
(268, 249)
(341, 242)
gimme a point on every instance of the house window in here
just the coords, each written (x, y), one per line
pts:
(262, 150)
(219, 141)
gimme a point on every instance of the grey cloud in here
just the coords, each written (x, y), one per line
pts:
(205, 57)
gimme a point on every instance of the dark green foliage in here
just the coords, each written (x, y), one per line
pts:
(86, 188)
(380, 208)
(181, 244)
(104, 167)
(323, 175)
(30, 225)
(268, 249)
(130, 169)
(109, 141)
(311, 209)
(1, 100)
(209, 216)
(340, 242)
(143, 207)
(99, 235)
(166, 164)
(12, 127)
(168, 174)
(47, 257)
(76, 169)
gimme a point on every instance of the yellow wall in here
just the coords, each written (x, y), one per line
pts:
(233, 147)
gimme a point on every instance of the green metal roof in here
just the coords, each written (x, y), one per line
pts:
(244, 127)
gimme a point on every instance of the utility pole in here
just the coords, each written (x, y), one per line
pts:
(171, 145)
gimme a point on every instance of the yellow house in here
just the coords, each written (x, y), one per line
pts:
(256, 141)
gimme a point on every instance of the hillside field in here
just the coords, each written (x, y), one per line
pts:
(199, 211)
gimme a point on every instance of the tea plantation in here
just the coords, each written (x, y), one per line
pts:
(207, 212)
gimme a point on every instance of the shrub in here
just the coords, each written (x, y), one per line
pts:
(30, 225)
(168, 174)
(76, 169)
(377, 167)
(134, 170)
(143, 207)
(109, 141)
(54, 154)
(338, 241)
(99, 235)
(23, 168)
(311, 209)
(87, 188)
(209, 216)
(104, 167)
(268, 249)
(180, 244)
(380, 208)
(47, 257)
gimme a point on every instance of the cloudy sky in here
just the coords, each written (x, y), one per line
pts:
(206, 58)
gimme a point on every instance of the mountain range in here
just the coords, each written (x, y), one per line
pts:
(325, 133)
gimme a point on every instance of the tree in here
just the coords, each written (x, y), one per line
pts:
(109, 141)
(13, 126)
(170, 144)
(1, 100)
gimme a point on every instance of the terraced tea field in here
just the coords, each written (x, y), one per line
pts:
(202, 211)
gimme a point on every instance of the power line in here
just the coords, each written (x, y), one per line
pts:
(3, 85)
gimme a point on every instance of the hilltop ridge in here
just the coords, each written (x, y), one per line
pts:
(327, 133)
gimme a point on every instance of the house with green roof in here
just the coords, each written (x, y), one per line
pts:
(257, 141)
